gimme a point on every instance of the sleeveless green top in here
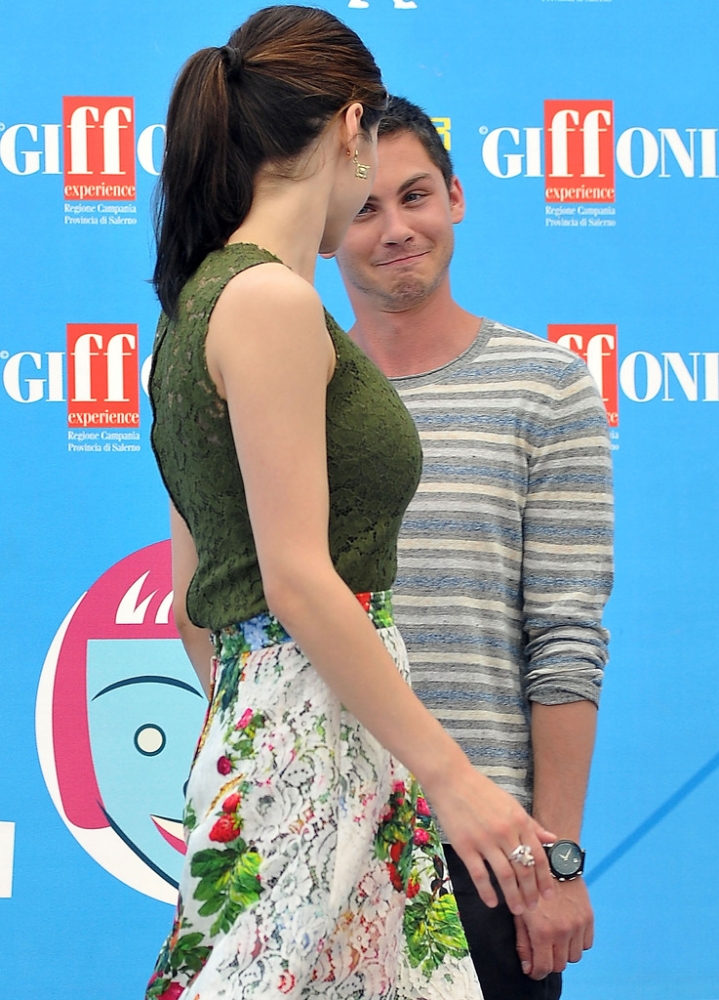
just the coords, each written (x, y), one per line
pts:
(373, 457)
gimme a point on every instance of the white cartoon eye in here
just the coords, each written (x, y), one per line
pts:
(150, 740)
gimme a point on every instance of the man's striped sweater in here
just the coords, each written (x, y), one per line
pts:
(505, 555)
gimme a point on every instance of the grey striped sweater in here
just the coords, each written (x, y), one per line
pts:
(505, 555)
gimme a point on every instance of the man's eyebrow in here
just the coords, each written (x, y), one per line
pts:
(404, 186)
(412, 181)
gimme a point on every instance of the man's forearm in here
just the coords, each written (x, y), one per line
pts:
(562, 742)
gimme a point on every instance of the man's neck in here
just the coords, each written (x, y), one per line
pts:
(420, 339)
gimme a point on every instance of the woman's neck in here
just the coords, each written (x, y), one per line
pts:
(288, 218)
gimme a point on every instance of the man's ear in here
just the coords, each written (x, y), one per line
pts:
(457, 203)
(328, 256)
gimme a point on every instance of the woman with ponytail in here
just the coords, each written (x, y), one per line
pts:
(313, 864)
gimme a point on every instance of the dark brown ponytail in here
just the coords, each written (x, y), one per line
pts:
(261, 98)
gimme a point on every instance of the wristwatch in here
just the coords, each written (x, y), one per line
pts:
(566, 859)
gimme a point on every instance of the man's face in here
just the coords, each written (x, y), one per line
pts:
(397, 250)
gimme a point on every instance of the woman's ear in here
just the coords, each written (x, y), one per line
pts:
(351, 121)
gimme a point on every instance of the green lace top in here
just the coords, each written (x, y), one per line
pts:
(373, 457)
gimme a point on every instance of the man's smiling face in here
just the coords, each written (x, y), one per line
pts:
(398, 249)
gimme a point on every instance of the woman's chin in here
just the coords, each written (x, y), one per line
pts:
(328, 247)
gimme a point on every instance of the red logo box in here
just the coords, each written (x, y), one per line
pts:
(99, 147)
(596, 344)
(103, 375)
(579, 151)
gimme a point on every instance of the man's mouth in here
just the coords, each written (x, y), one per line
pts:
(404, 259)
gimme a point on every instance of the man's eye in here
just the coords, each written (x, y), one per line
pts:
(414, 196)
(365, 210)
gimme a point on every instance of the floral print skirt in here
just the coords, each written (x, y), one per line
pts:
(313, 866)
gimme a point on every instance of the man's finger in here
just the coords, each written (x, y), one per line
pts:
(546, 952)
(589, 935)
(576, 948)
(524, 946)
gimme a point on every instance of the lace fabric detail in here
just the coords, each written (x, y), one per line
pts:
(373, 457)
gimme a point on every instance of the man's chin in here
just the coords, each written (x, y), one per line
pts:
(405, 294)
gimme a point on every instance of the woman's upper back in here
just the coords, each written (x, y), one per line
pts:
(373, 456)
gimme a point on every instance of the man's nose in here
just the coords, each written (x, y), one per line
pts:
(395, 229)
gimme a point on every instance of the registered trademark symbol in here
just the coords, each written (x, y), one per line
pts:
(2, 126)
(4, 355)
(483, 130)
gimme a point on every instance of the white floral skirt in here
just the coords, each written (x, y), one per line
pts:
(313, 866)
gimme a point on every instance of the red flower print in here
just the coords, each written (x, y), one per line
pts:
(395, 877)
(423, 807)
(231, 802)
(173, 992)
(365, 600)
(224, 765)
(398, 790)
(245, 720)
(224, 830)
(286, 983)
(421, 837)
(395, 851)
(412, 887)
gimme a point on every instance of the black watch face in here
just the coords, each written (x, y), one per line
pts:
(566, 858)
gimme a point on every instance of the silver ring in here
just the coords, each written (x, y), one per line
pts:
(522, 855)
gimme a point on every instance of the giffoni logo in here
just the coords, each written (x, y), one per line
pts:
(577, 149)
(99, 147)
(103, 375)
(94, 147)
(642, 376)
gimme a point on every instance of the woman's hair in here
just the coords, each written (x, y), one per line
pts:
(262, 98)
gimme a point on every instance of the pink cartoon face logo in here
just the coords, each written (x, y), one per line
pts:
(119, 709)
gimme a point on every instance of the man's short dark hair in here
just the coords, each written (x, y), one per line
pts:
(403, 116)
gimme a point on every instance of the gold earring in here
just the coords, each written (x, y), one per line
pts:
(361, 169)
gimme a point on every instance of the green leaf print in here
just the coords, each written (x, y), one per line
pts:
(213, 863)
(228, 882)
(383, 617)
(433, 930)
(244, 886)
(240, 736)
(232, 671)
(157, 988)
(182, 954)
(275, 632)
(189, 955)
(189, 819)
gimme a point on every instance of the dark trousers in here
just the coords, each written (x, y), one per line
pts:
(493, 942)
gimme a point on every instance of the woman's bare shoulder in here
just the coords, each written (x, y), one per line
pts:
(264, 314)
(267, 291)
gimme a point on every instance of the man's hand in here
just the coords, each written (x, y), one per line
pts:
(557, 932)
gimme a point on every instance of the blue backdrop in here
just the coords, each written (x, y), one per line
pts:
(585, 133)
